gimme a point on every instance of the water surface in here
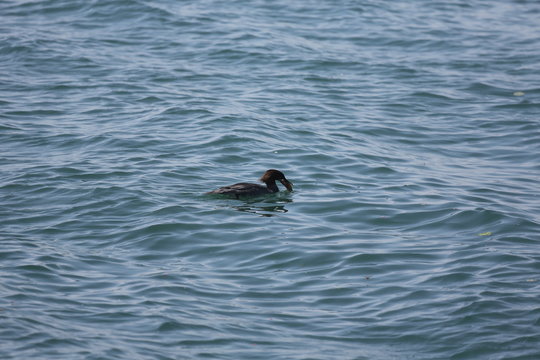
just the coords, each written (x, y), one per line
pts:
(410, 130)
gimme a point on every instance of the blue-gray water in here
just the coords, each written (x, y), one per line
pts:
(410, 130)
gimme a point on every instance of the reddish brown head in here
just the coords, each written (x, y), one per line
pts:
(270, 176)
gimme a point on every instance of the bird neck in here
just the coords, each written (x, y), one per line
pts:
(271, 185)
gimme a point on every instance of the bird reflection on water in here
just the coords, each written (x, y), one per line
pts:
(264, 209)
(266, 206)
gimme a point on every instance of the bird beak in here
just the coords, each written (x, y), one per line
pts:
(287, 184)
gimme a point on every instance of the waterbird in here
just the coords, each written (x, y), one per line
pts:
(250, 189)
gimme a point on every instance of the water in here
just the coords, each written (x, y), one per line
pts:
(410, 130)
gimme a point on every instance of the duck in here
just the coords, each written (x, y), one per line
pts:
(250, 189)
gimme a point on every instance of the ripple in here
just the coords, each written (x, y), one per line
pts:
(412, 229)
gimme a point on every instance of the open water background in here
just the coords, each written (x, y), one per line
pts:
(409, 128)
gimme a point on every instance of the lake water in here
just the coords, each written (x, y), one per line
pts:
(411, 132)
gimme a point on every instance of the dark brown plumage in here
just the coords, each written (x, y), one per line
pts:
(249, 189)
